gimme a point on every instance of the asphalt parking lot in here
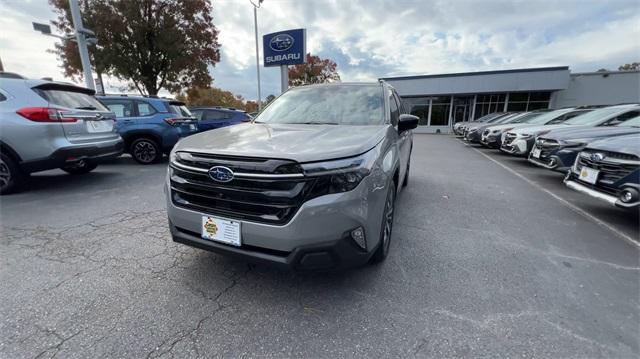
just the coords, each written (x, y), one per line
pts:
(483, 262)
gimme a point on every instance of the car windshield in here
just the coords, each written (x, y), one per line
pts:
(180, 110)
(594, 117)
(332, 104)
(489, 116)
(524, 117)
(546, 117)
(634, 122)
(506, 119)
(71, 99)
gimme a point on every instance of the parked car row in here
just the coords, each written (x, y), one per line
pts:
(598, 148)
(46, 125)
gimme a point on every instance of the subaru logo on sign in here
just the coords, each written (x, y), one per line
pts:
(282, 42)
(221, 174)
(597, 157)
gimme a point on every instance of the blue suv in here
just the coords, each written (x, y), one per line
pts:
(210, 118)
(150, 126)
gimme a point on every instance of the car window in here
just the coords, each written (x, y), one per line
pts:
(333, 104)
(197, 114)
(634, 122)
(594, 117)
(2, 97)
(393, 109)
(122, 108)
(70, 99)
(214, 115)
(179, 109)
(622, 118)
(145, 109)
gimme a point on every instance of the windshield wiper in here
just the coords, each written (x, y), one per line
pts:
(86, 108)
(316, 123)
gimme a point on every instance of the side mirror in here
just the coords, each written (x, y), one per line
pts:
(407, 122)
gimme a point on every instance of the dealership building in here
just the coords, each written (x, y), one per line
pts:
(442, 100)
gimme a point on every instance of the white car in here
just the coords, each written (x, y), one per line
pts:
(520, 141)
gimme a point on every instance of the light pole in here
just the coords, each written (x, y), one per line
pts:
(82, 37)
(255, 25)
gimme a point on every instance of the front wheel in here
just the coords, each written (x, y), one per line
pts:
(145, 151)
(79, 168)
(387, 225)
(11, 177)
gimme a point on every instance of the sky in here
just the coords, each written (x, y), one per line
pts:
(381, 38)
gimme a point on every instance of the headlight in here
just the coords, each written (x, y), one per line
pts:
(574, 143)
(341, 175)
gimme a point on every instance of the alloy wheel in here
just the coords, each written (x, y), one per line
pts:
(145, 151)
(5, 174)
(388, 221)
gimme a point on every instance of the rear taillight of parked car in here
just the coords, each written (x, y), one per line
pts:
(177, 121)
(44, 114)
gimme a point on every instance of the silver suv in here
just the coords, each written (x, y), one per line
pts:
(46, 125)
(310, 184)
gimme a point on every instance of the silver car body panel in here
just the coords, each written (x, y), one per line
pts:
(38, 140)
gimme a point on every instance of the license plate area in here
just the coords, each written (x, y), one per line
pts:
(589, 175)
(99, 126)
(536, 153)
(221, 230)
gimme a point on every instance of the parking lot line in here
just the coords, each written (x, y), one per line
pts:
(566, 203)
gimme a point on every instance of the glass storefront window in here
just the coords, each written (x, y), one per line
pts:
(440, 115)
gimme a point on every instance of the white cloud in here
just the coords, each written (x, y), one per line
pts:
(377, 38)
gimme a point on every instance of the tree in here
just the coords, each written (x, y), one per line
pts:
(211, 96)
(151, 44)
(251, 106)
(634, 66)
(314, 71)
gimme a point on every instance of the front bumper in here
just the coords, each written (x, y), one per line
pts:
(572, 182)
(316, 238)
(518, 147)
(95, 152)
(491, 141)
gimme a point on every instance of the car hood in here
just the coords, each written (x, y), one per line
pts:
(589, 132)
(505, 126)
(629, 144)
(534, 129)
(302, 143)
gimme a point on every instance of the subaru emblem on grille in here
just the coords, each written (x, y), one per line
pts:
(221, 174)
(597, 157)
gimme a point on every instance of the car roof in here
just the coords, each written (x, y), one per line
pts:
(217, 108)
(137, 97)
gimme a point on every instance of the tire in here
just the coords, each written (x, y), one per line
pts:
(145, 151)
(386, 226)
(80, 168)
(11, 176)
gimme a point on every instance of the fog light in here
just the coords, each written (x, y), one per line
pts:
(358, 236)
(628, 195)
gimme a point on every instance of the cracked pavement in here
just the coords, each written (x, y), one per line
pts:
(89, 270)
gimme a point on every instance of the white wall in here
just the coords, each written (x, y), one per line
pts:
(526, 80)
(598, 88)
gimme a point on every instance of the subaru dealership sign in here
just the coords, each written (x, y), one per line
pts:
(285, 47)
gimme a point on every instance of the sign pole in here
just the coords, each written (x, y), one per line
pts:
(284, 78)
(255, 27)
(82, 44)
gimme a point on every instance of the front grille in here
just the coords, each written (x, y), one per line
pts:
(547, 147)
(611, 170)
(264, 190)
(508, 139)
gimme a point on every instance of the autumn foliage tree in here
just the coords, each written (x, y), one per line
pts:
(215, 97)
(151, 44)
(314, 71)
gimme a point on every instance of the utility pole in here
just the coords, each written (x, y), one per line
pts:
(255, 27)
(82, 43)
